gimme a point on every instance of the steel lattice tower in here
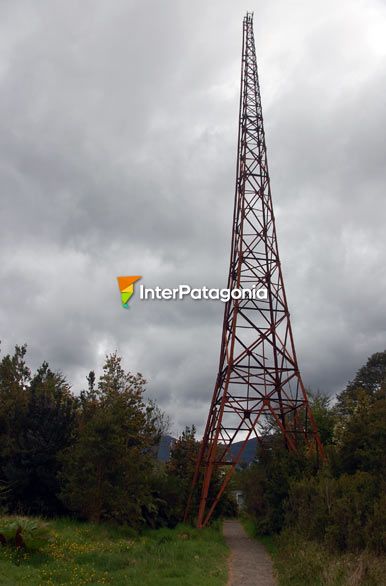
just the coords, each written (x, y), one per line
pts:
(258, 381)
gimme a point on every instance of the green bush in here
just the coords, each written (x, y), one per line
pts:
(301, 562)
(24, 533)
(337, 511)
(376, 528)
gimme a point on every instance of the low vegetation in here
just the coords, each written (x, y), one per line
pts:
(83, 553)
(300, 562)
(24, 534)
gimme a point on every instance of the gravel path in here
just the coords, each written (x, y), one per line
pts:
(249, 564)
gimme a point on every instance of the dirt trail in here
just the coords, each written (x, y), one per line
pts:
(249, 563)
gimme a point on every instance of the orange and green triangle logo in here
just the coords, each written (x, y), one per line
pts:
(126, 287)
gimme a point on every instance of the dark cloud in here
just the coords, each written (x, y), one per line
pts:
(118, 127)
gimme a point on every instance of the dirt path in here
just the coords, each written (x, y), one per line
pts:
(249, 564)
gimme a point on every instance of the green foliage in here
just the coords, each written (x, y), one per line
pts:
(301, 562)
(167, 509)
(14, 381)
(266, 485)
(361, 438)
(92, 455)
(84, 553)
(37, 417)
(336, 511)
(106, 471)
(180, 470)
(24, 533)
(376, 527)
(324, 415)
(342, 506)
(368, 381)
(49, 427)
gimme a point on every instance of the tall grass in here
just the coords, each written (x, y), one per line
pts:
(299, 562)
(82, 553)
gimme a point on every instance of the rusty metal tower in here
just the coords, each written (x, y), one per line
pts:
(258, 383)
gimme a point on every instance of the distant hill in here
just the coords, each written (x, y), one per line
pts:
(248, 455)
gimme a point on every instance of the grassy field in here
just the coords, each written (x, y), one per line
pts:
(299, 562)
(81, 553)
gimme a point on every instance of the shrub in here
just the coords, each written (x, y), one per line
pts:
(337, 511)
(24, 533)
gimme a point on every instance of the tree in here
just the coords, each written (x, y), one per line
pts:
(48, 429)
(324, 415)
(183, 456)
(364, 389)
(14, 380)
(106, 472)
(266, 484)
(15, 377)
(362, 440)
(180, 469)
(37, 422)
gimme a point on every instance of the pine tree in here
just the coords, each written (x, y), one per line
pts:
(15, 377)
(368, 386)
(106, 472)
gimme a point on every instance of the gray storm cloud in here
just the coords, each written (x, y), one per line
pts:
(118, 126)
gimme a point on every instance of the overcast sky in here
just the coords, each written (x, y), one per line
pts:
(118, 127)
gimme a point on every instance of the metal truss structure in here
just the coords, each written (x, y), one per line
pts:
(258, 383)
